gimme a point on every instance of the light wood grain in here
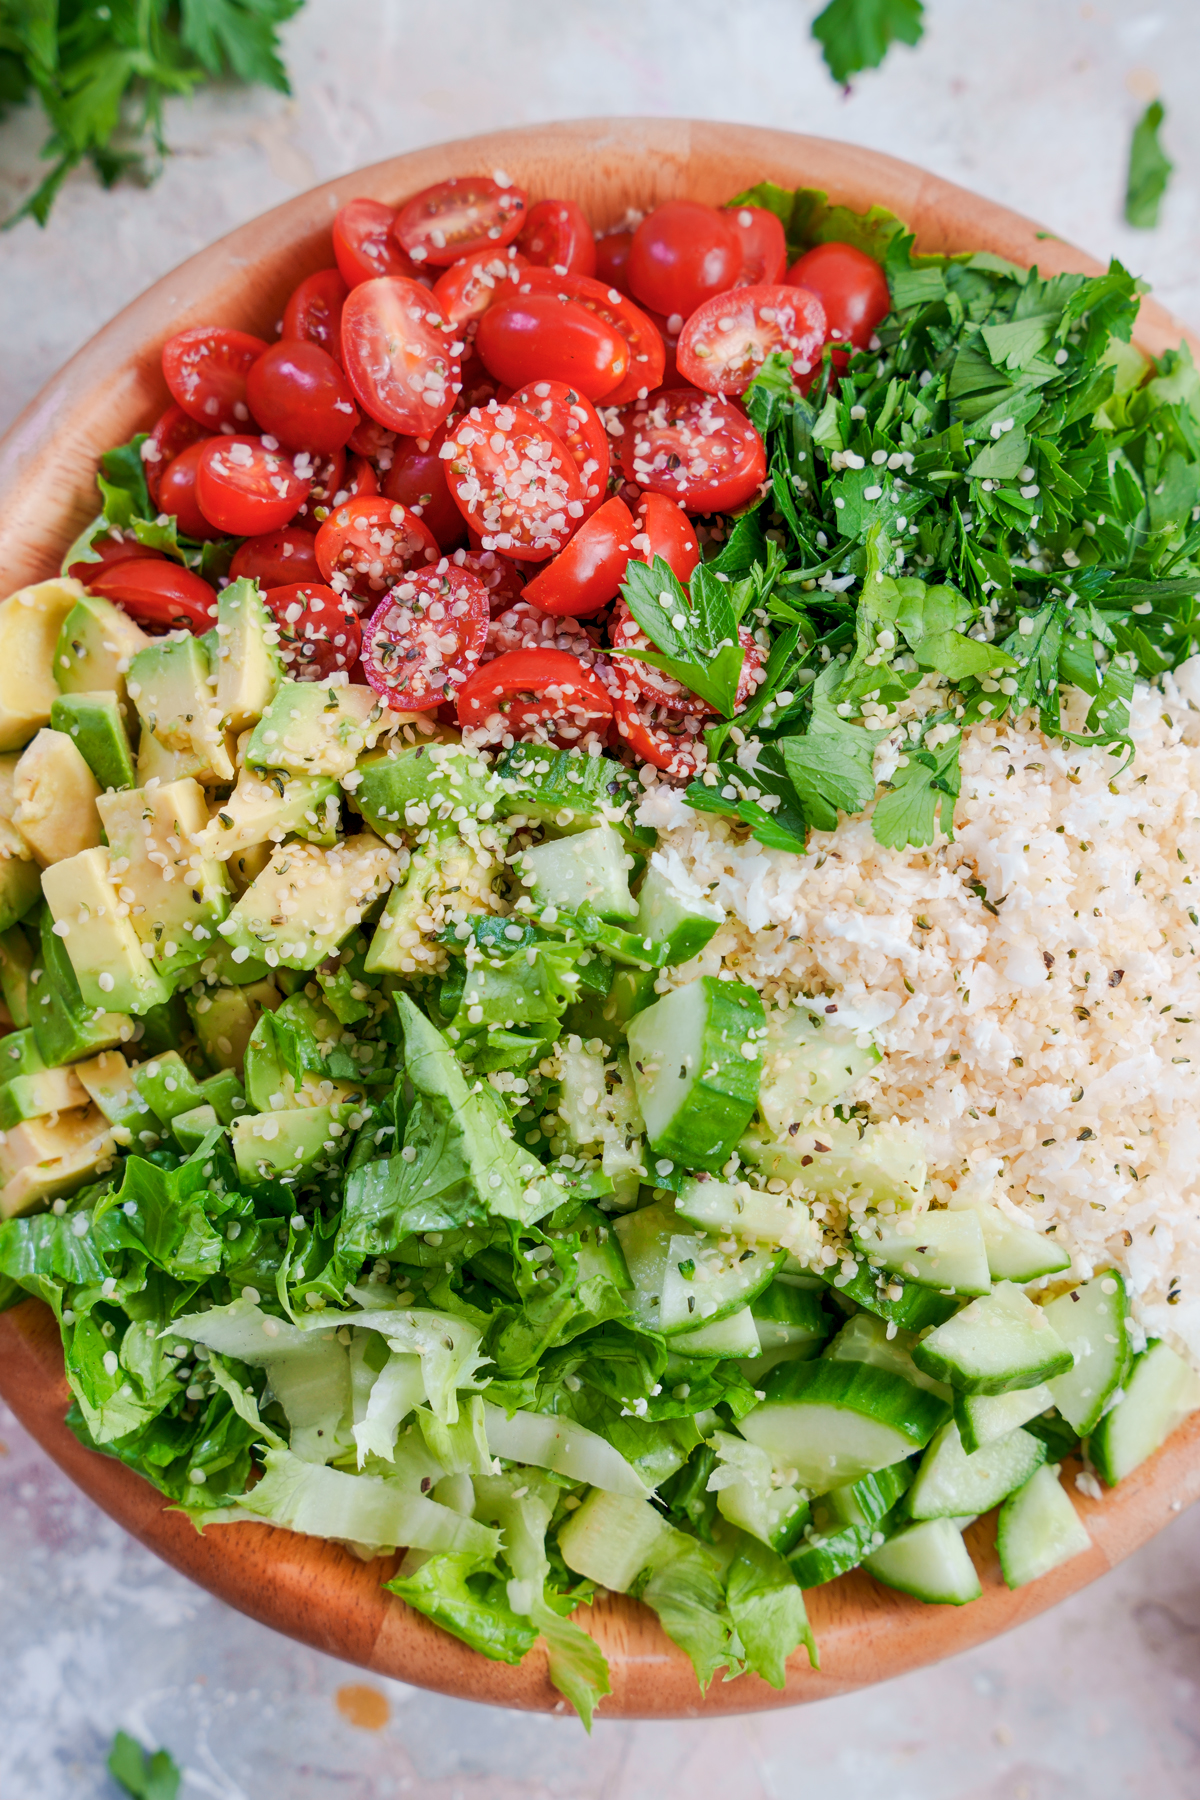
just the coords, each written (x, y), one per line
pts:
(310, 1589)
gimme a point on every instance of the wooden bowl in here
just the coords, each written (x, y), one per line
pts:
(306, 1587)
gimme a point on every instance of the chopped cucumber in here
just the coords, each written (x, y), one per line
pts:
(611, 1538)
(864, 1339)
(996, 1344)
(935, 1249)
(645, 1240)
(833, 1422)
(1016, 1252)
(915, 1308)
(1159, 1394)
(878, 1164)
(982, 1418)
(1038, 1529)
(847, 1523)
(951, 1484)
(806, 1065)
(1090, 1320)
(678, 919)
(701, 1284)
(749, 1214)
(695, 1067)
(567, 791)
(735, 1335)
(589, 869)
(929, 1561)
(785, 1314)
(751, 1495)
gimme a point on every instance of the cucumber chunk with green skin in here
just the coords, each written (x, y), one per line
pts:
(847, 1523)
(1038, 1529)
(916, 1308)
(645, 1239)
(784, 1314)
(751, 1496)
(696, 1069)
(998, 1343)
(1016, 1252)
(610, 1539)
(865, 1339)
(834, 1422)
(935, 1249)
(735, 1336)
(1090, 1320)
(929, 1561)
(679, 921)
(96, 726)
(806, 1066)
(982, 1418)
(567, 791)
(702, 1284)
(589, 869)
(1160, 1392)
(749, 1214)
(951, 1484)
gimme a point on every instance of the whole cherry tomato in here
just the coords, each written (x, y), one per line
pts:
(851, 287)
(727, 340)
(646, 355)
(277, 559)
(499, 574)
(764, 244)
(173, 432)
(556, 235)
(400, 355)
(108, 552)
(588, 573)
(367, 545)
(682, 253)
(177, 491)
(612, 259)
(473, 283)
(544, 695)
(205, 368)
(531, 337)
(662, 528)
(670, 741)
(363, 244)
(298, 393)
(313, 313)
(457, 217)
(696, 448)
(161, 595)
(426, 637)
(319, 633)
(417, 479)
(245, 488)
(513, 481)
(576, 424)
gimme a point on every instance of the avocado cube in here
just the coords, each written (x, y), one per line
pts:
(65, 1029)
(30, 621)
(33, 1096)
(249, 666)
(225, 1094)
(169, 684)
(423, 784)
(40, 1160)
(91, 920)
(319, 728)
(588, 869)
(19, 1055)
(16, 960)
(94, 647)
(447, 871)
(176, 897)
(11, 841)
(156, 763)
(345, 996)
(223, 1019)
(96, 725)
(20, 891)
(190, 1129)
(167, 1086)
(307, 900)
(109, 1081)
(273, 1145)
(56, 796)
(267, 808)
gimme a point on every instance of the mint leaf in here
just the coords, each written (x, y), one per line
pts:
(696, 633)
(146, 1777)
(908, 812)
(857, 34)
(1150, 170)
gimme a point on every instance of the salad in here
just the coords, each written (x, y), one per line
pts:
(404, 1156)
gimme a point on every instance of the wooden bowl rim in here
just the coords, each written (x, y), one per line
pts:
(316, 1591)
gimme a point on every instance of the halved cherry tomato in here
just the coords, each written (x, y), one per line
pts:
(159, 594)
(556, 235)
(359, 480)
(177, 491)
(367, 545)
(245, 489)
(500, 576)
(473, 283)
(299, 394)
(612, 259)
(110, 551)
(457, 217)
(727, 340)
(662, 528)
(524, 627)
(528, 337)
(695, 448)
(513, 480)
(851, 287)
(668, 740)
(172, 433)
(205, 368)
(328, 474)
(682, 253)
(319, 633)
(646, 355)
(668, 330)
(764, 244)
(577, 424)
(588, 573)
(544, 695)
(277, 559)
(370, 439)
(478, 385)
(363, 245)
(400, 355)
(426, 637)
(313, 314)
(417, 479)
(624, 633)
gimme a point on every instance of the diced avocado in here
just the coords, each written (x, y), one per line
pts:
(20, 891)
(170, 686)
(156, 763)
(56, 796)
(224, 1017)
(446, 873)
(307, 900)
(12, 844)
(109, 1081)
(245, 866)
(273, 1144)
(94, 647)
(40, 1161)
(225, 1094)
(190, 1129)
(19, 1055)
(264, 809)
(95, 724)
(30, 621)
(249, 666)
(167, 1086)
(588, 869)
(94, 926)
(64, 1027)
(568, 791)
(317, 728)
(16, 960)
(345, 995)
(176, 896)
(409, 786)
(33, 1096)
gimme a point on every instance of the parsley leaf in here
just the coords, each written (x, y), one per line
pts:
(830, 767)
(908, 812)
(696, 632)
(857, 34)
(146, 1777)
(1150, 169)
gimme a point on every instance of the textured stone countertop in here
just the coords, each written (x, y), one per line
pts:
(1028, 101)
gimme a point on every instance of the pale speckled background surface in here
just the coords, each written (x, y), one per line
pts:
(1030, 102)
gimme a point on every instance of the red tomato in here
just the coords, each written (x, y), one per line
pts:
(370, 439)
(367, 545)
(727, 340)
(524, 627)
(624, 633)
(173, 433)
(313, 314)
(358, 479)
(513, 480)
(298, 393)
(400, 355)
(646, 354)
(588, 573)
(159, 594)
(328, 472)
(695, 448)
(670, 741)
(110, 551)
(417, 479)
(764, 245)
(663, 529)
(575, 423)
(543, 695)
(851, 287)
(668, 330)
(426, 637)
(612, 259)
(531, 337)
(502, 578)
(277, 559)
(177, 491)
(455, 218)
(478, 386)
(474, 283)
(245, 489)
(318, 630)
(205, 368)
(363, 244)
(682, 253)
(556, 235)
